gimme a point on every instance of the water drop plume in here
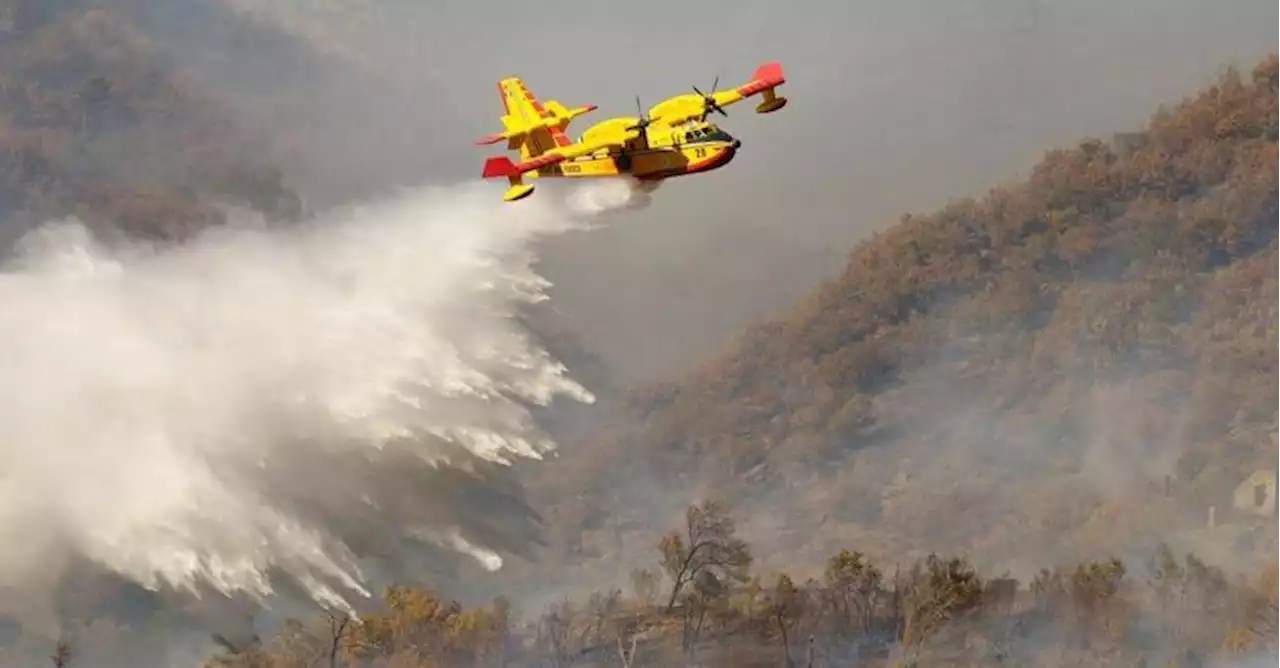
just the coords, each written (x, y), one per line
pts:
(264, 405)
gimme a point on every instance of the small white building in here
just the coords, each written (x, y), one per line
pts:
(1256, 495)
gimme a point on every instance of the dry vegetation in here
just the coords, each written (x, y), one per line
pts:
(94, 123)
(1089, 354)
(701, 602)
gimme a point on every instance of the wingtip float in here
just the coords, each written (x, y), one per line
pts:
(673, 139)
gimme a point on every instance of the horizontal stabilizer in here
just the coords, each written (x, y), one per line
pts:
(553, 117)
(499, 166)
(560, 113)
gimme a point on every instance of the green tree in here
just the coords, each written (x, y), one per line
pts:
(787, 605)
(936, 591)
(852, 583)
(709, 545)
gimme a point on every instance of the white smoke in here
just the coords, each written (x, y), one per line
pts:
(203, 415)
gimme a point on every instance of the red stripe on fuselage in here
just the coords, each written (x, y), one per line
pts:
(718, 159)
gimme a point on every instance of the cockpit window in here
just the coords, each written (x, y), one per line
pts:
(706, 133)
(717, 135)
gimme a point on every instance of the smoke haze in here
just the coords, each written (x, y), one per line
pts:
(271, 400)
(895, 107)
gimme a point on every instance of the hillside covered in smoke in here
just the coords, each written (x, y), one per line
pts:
(95, 122)
(1088, 355)
(181, 378)
(1064, 370)
(702, 600)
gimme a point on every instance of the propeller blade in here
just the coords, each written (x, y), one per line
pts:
(643, 121)
(709, 101)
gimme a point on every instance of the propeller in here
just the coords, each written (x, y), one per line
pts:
(710, 100)
(644, 118)
(639, 127)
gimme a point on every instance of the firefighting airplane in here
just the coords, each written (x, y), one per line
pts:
(673, 139)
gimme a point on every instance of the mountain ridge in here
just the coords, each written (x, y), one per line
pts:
(1112, 316)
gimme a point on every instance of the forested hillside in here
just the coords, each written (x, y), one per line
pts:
(701, 600)
(1088, 355)
(94, 121)
(1052, 381)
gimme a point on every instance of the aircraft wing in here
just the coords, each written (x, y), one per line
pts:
(579, 149)
(682, 108)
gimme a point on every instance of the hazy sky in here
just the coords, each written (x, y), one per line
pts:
(895, 107)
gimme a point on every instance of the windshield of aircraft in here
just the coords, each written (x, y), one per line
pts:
(707, 133)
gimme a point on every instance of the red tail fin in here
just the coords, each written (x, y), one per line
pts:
(770, 74)
(765, 77)
(499, 166)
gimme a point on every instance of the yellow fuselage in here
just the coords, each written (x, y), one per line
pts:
(663, 153)
(672, 139)
(648, 164)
